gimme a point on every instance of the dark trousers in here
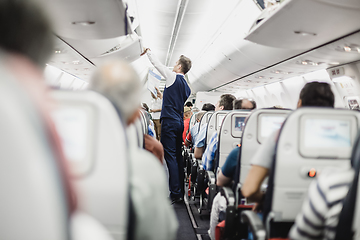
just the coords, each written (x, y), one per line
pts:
(171, 139)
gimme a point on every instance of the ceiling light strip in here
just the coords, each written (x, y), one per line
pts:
(180, 12)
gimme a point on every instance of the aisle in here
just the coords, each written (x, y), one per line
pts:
(192, 225)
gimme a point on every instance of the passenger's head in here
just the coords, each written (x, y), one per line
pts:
(225, 102)
(25, 30)
(253, 103)
(145, 107)
(316, 94)
(199, 115)
(243, 103)
(188, 104)
(187, 112)
(119, 82)
(208, 107)
(183, 65)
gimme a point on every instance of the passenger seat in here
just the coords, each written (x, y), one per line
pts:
(310, 140)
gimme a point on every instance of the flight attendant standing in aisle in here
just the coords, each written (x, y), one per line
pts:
(176, 92)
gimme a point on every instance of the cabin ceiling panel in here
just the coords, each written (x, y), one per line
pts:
(191, 29)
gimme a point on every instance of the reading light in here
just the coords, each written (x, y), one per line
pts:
(76, 62)
(347, 49)
(57, 51)
(83, 23)
(304, 33)
(304, 62)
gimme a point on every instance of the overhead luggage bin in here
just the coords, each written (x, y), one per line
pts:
(307, 24)
(88, 19)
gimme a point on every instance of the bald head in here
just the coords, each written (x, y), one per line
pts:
(244, 103)
(119, 82)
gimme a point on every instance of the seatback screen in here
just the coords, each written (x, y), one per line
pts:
(327, 133)
(269, 124)
(72, 126)
(239, 123)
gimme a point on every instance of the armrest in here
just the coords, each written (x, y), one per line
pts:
(211, 176)
(255, 223)
(229, 196)
(200, 166)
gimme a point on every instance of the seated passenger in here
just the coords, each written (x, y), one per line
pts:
(226, 174)
(154, 217)
(208, 107)
(187, 116)
(189, 105)
(320, 212)
(313, 94)
(191, 136)
(209, 154)
(225, 103)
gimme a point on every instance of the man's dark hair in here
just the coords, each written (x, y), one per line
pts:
(253, 103)
(317, 94)
(185, 63)
(237, 104)
(145, 106)
(25, 30)
(188, 104)
(208, 107)
(226, 100)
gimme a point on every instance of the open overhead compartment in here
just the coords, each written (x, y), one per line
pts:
(307, 24)
(91, 32)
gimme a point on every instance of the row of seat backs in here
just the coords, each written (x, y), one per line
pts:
(310, 140)
(259, 125)
(97, 150)
(230, 133)
(205, 118)
(192, 120)
(215, 122)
